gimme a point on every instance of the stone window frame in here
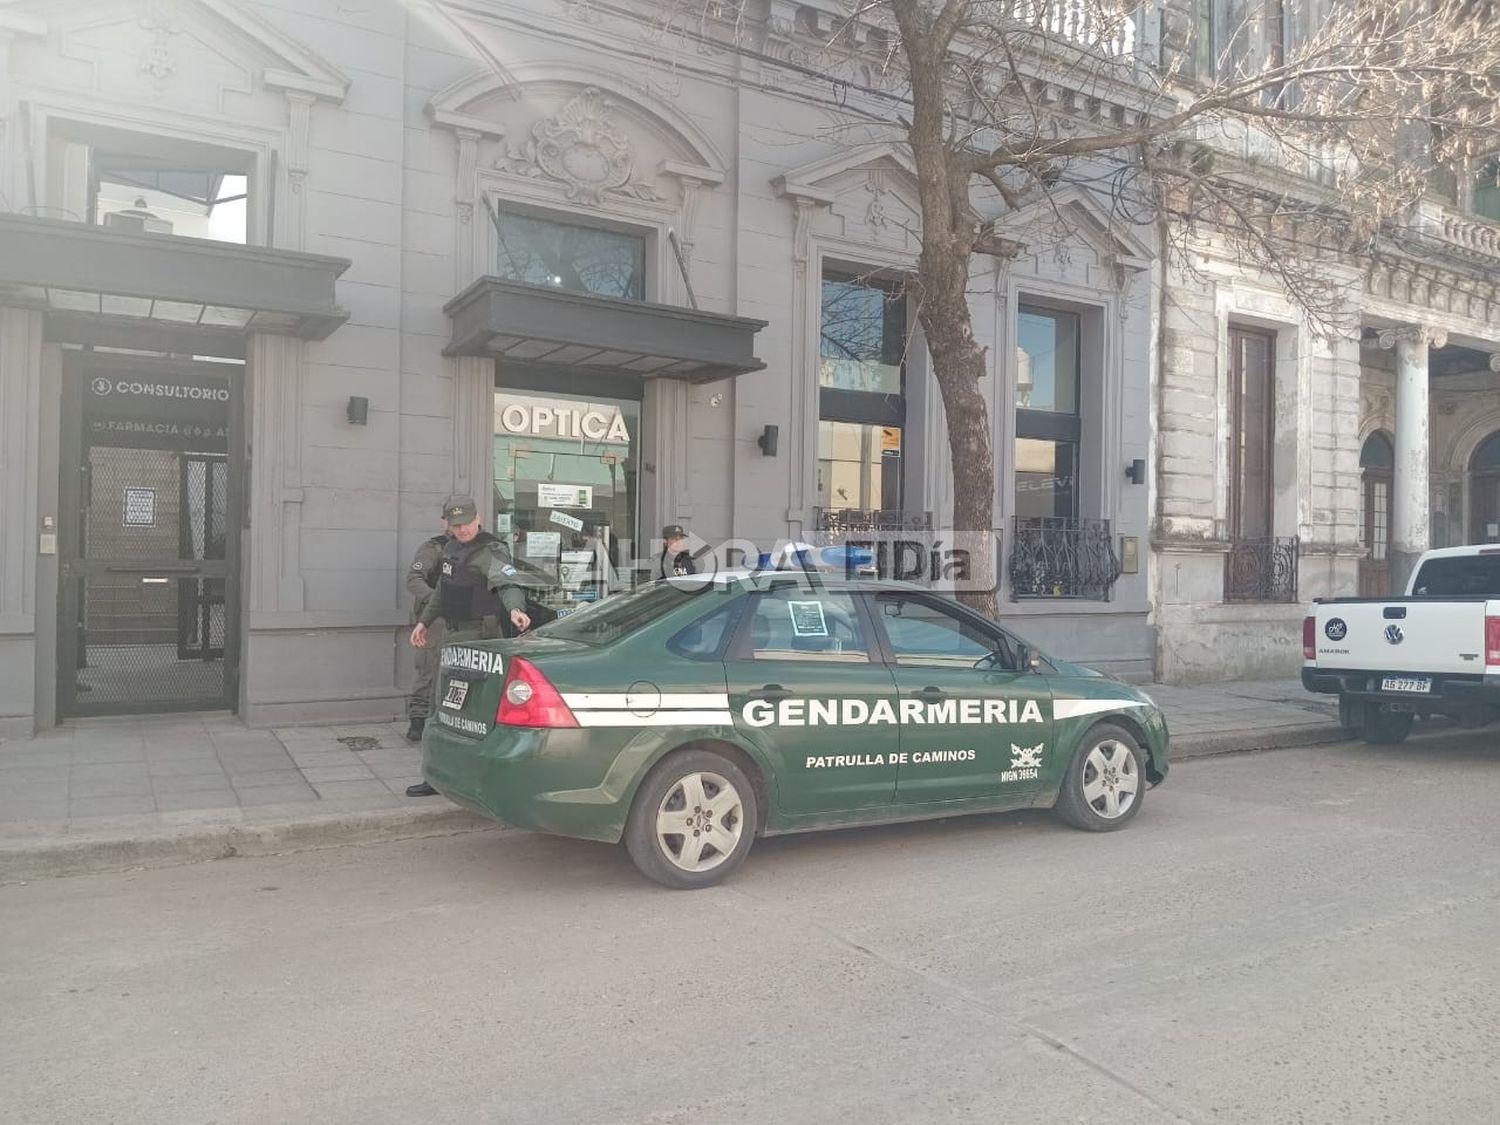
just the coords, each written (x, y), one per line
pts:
(860, 408)
(274, 169)
(1259, 309)
(1058, 425)
(645, 234)
(1100, 387)
(812, 252)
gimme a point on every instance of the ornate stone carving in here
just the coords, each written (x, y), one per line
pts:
(875, 214)
(581, 10)
(467, 186)
(582, 148)
(1388, 338)
(802, 225)
(158, 60)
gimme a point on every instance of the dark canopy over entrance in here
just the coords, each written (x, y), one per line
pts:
(106, 286)
(586, 332)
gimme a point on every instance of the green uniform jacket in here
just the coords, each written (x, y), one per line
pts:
(422, 575)
(494, 562)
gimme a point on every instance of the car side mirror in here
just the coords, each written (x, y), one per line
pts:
(1028, 659)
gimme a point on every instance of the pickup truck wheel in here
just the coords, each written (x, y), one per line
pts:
(693, 820)
(1384, 727)
(1105, 782)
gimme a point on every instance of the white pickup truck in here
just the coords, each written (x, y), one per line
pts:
(1435, 651)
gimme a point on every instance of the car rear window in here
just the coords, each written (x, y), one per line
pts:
(1471, 576)
(621, 614)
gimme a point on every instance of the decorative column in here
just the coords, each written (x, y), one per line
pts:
(473, 376)
(291, 210)
(1410, 523)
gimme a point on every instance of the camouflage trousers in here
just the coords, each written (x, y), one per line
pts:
(423, 695)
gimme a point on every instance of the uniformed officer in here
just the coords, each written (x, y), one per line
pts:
(676, 560)
(421, 581)
(478, 594)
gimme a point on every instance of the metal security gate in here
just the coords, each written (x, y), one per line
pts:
(149, 536)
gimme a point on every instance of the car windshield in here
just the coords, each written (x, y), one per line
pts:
(621, 614)
(1464, 576)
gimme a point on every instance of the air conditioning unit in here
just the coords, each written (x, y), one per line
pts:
(137, 221)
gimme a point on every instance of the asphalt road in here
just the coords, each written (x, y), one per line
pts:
(1296, 936)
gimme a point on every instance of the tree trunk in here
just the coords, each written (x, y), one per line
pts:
(958, 364)
(949, 228)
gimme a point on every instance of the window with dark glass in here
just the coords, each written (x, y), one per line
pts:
(1203, 40)
(861, 391)
(1484, 492)
(570, 256)
(1252, 432)
(1048, 426)
(1486, 196)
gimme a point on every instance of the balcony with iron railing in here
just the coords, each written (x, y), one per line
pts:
(1262, 570)
(1054, 557)
(1077, 23)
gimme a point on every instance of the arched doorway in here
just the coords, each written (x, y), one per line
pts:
(1377, 462)
(1484, 491)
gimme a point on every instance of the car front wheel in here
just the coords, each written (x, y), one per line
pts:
(1105, 781)
(693, 820)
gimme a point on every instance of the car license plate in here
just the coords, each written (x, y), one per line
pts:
(1411, 685)
(458, 691)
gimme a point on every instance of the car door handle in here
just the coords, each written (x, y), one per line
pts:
(771, 691)
(929, 690)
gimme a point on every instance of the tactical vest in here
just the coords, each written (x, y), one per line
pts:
(679, 565)
(464, 593)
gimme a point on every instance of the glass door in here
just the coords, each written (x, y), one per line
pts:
(147, 550)
(566, 484)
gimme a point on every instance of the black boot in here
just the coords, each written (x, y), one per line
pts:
(414, 732)
(421, 789)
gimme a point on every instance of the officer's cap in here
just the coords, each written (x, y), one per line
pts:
(460, 509)
(673, 531)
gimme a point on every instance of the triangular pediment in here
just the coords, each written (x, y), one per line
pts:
(281, 62)
(822, 180)
(1077, 212)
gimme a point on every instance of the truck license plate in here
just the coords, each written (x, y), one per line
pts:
(458, 691)
(1411, 685)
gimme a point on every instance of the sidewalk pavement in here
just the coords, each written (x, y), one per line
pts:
(107, 795)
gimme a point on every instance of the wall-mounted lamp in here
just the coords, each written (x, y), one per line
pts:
(1135, 472)
(767, 440)
(358, 410)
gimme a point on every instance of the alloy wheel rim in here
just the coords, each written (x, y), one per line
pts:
(1111, 782)
(700, 821)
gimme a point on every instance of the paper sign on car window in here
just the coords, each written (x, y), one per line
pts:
(808, 619)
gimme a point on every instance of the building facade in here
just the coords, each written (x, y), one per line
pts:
(1294, 462)
(277, 277)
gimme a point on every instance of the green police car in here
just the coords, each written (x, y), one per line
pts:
(694, 714)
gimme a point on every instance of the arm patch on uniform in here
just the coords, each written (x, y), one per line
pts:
(418, 567)
(508, 570)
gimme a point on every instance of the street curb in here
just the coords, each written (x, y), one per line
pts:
(51, 858)
(1241, 742)
(57, 857)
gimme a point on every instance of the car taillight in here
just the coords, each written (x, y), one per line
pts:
(1492, 641)
(528, 699)
(1309, 638)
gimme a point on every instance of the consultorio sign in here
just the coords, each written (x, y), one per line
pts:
(526, 417)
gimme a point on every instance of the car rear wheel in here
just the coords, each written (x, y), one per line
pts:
(1105, 781)
(1384, 727)
(693, 820)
